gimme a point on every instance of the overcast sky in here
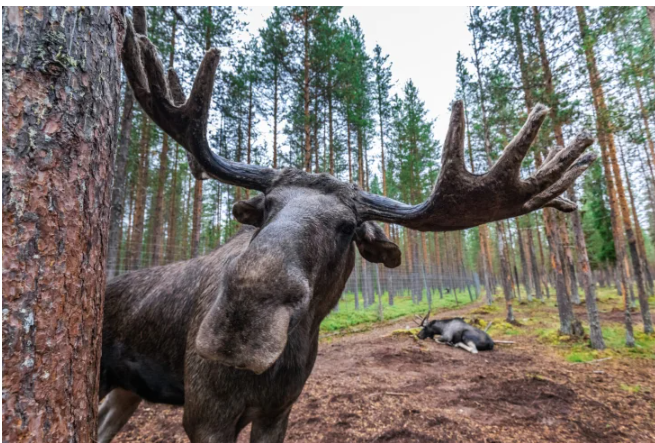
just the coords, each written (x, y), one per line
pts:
(422, 43)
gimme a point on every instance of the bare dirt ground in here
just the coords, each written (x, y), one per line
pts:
(372, 387)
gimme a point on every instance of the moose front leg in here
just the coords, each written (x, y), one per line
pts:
(270, 429)
(469, 346)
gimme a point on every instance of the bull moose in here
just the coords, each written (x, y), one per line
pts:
(233, 335)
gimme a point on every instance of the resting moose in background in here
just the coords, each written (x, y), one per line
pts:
(456, 332)
(233, 335)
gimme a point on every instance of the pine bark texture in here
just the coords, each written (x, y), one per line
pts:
(61, 83)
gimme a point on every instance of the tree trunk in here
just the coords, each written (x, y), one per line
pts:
(604, 137)
(331, 129)
(197, 216)
(158, 212)
(120, 177)
(595, 331)
(59, 134)
(308, 145)
(562, 259)
(140, 204)
(197, 188)
(275, 111)
(651, 16)
(172, 214)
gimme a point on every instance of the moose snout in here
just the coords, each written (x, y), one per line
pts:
(254, 344)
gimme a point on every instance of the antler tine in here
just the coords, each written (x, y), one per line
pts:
(425, 318)
(463, 200)
(558, 163)
(452, 159)
(179, 98)
(185, 120)
(562, 185)
(177, 93)
(140, 20)
(133, 65)
(514, 153)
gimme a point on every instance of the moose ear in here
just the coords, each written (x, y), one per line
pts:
(375, 247)
(250, 212)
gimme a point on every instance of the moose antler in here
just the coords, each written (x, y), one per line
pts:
(459, 200)
(462, 200)
(184, 119)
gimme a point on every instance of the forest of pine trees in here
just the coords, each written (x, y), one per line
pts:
(307, 92)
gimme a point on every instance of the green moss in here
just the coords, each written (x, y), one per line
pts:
(486, 309)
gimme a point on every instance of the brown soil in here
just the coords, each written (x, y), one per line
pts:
(372, 387)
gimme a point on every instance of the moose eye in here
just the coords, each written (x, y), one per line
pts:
(347, 228)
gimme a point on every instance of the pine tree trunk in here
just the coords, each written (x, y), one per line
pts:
(604, 136)
(308, 146)
(141, 188)
(641, 247)
(158, 212)
(130, 227)
(524, 262)
(275, 111)
(536, 277)
(196, 218)
(59, 135)
(595, 332)
(331, 129)
(172, 214)
(563, 253)
(651, 16)
(120, 177)
(350, 156)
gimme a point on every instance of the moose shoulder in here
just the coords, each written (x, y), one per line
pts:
(233, 335)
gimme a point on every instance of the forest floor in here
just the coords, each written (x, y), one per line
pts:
(383, 385)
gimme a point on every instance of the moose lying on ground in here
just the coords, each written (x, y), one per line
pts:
(456, 332)
(233, 335)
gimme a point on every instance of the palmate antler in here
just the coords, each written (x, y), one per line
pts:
(462, 200)
(459, 199)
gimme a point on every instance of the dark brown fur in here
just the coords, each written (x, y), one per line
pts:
(177, 333)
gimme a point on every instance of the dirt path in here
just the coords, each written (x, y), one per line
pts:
(370, 387)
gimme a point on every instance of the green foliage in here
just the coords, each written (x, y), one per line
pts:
(596, 220)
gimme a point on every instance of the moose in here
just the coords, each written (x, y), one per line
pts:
(456, 332)
(233, 335)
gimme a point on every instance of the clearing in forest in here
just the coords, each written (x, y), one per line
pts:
(381, 386)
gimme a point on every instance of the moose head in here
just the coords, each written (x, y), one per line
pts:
(308, 224)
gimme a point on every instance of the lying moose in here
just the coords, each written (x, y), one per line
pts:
(456, 332)
(233, 335)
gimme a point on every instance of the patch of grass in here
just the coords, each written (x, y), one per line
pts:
(633, 389)
(347, 317)
(579, 357)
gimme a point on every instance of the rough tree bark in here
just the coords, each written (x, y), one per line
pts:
(120, 177)
(58, 139)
